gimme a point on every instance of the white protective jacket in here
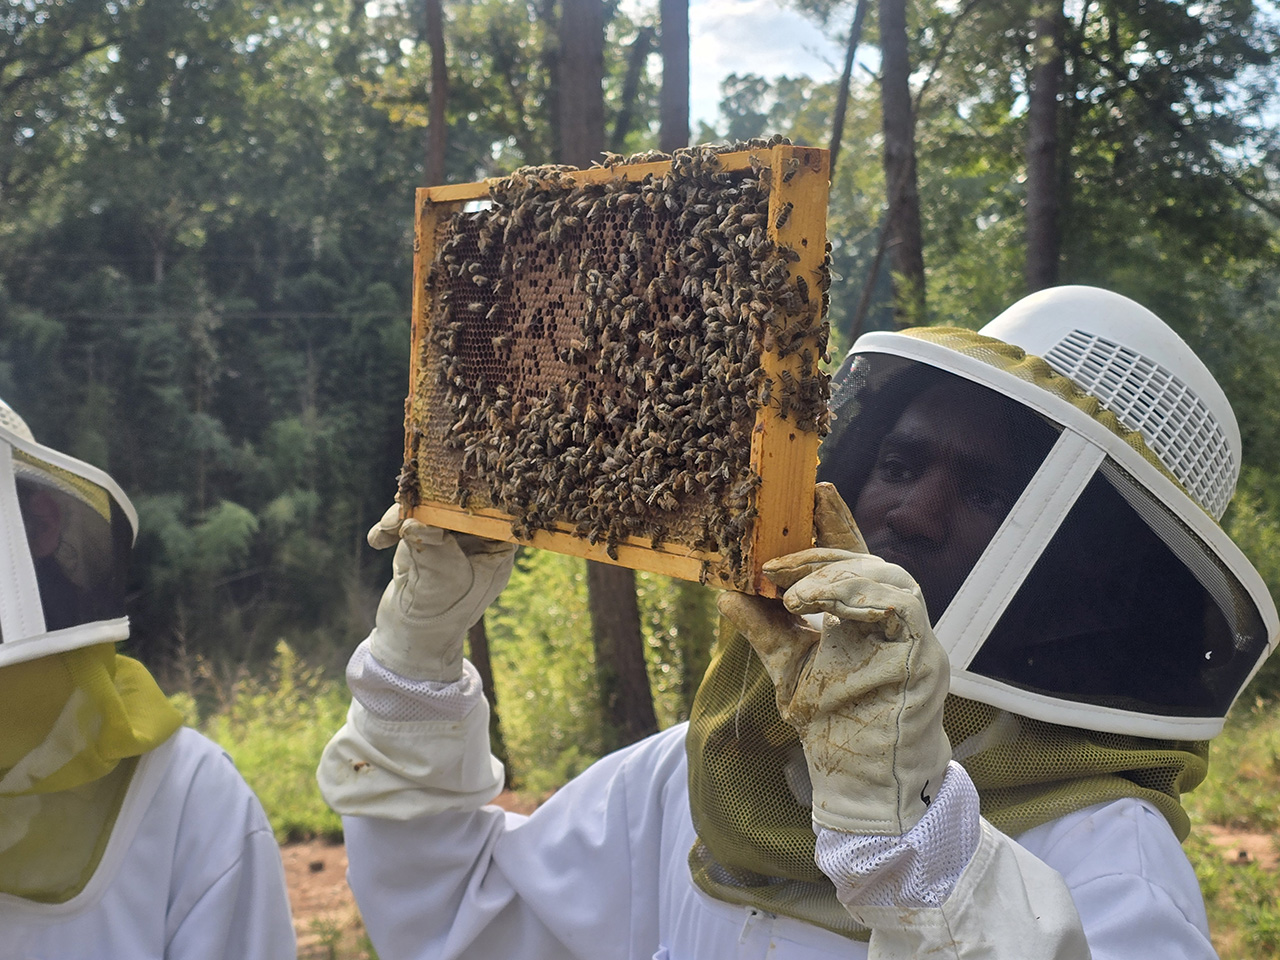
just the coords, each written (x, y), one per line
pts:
(191, 872)
(600, 871)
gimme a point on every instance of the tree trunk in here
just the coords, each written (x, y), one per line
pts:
(437, 96)
(581, 81)
(842, 95)
(625, 696)
(673, 104)
(639, 52)
(906, 244)
(478, 654)
(1044, 241)
(696, 619)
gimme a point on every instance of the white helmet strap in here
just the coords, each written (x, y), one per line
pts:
(1017, 545)
(21, 614)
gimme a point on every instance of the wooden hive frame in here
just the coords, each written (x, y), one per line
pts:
(783, 440)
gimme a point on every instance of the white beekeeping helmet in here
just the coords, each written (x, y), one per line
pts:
(1054, 483)
(67, 531)
(1123, 354)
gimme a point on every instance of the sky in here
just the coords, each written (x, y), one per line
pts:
(765, 37)
(751, 36)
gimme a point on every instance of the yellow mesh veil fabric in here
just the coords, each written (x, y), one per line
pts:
(755, 839)
(51, 843)
(1029, 772)
(69, 718)
(74, 724)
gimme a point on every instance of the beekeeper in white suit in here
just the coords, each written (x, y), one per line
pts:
(122, 833)
(964, 731)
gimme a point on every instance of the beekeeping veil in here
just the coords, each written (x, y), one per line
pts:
(1101, 592)
(1054, 483)
(74, 715)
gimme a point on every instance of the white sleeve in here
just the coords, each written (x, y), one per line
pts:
(409, 748)
(227, 898)
(1137, 893)
(577, 880)
(953, 886)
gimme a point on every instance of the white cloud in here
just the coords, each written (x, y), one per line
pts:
(752, 36)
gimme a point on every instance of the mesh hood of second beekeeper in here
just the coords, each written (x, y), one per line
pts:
(1098, 620)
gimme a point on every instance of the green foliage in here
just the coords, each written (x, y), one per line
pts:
(678, 620)
(1244, 772)
(544, 664)
(1240, 899)
(274, 727)
(544, 670)
(1239, 793)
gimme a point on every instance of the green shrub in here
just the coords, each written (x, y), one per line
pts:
(1244, 772)
(274, 727)
(544, 671)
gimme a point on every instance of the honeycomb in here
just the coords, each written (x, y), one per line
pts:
(595, 352)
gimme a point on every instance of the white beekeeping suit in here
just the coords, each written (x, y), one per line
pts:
(122, 834)
(1035, 617)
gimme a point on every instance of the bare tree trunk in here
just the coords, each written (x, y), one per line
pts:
(906, 244)
(639, 52)
(673, 104)
(1044, 241)
(696, 618)
(437, 96)
(842, 95)
(581, 81)
(625, 696)
(550, 16)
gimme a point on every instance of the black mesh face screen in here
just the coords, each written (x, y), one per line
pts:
(1111, 615)
(80, 557)
(930, 464)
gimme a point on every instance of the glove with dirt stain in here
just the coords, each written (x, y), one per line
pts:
(865, 693)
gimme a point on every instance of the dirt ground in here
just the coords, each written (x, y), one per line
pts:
(329, 927)
(1260, 848)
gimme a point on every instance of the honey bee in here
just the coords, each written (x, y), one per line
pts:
(802, 287)
(783, 215)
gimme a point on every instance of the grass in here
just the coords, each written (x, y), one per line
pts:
(276, 723)
(274, 726)
(1241, 793)
(1243, 785)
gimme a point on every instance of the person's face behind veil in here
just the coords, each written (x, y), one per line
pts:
(944, 477)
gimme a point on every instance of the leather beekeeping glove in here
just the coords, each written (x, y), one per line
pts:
(865, 692)
(441, 583)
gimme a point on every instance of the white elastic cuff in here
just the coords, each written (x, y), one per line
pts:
(389, 696)
(919, 868)
(407, 769)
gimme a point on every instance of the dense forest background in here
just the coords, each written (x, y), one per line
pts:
(205, 257)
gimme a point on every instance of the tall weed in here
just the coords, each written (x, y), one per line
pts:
(274, 727)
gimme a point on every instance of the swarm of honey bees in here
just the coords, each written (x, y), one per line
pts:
(596, 352)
